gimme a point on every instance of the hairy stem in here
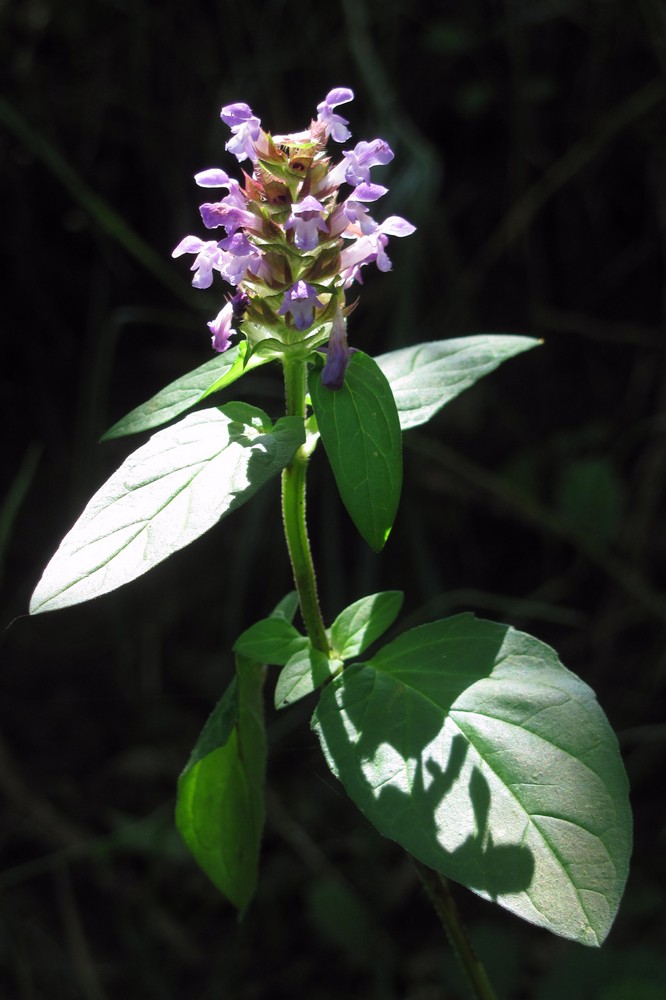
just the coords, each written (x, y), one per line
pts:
(293, 513)
(441, 898)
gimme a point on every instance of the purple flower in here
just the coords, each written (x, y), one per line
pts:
(307, 221)
(208, 257)
(237, 257)
(231, 212)
(371, 247)
(221, 213)
(335, 125)
(337, 354)
(221, 328)
(301, 301)
(245, 129)
(364, 156)
(357, 214)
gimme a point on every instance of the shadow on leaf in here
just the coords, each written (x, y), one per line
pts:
(387, 733)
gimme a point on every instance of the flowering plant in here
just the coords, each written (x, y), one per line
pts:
(465, 741)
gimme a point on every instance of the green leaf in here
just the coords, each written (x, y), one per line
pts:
(361, 623)
(166, 494)
(287, 607)
(186, 392)
(472, 746)
(272, 640)
(220, 805)
(361, 433)
(306, 671)
(426, 377)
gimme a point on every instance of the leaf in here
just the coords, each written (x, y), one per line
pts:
(426, 377)
(186, 392)
(287, 607)
(164, 496)
(220, 805)
(272, 640)
(361, 623)
(361, 433)
(306, 671)
(475, 749)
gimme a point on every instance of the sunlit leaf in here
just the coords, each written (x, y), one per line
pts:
(164, 496)
(305, 671)
(472, 746)
(426, 377)
(359, 625)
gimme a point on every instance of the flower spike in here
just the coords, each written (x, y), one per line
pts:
(294, 236)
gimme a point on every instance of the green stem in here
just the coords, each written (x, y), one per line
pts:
(293, 513)
(441, 898)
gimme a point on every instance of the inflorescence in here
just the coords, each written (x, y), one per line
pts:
(292, 246)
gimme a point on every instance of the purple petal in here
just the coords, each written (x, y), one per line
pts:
(339, 95)
(221, 329)
(309, 204)
(212, 178)
(236, 114)
(337, 354)
(395, 226)
(189, 244)
(368, 192)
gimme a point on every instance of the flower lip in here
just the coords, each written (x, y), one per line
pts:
(236, 114)
(213, 177)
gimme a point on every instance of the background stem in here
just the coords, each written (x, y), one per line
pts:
(440, 895)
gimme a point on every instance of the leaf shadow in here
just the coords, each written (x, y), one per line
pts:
(410, 773)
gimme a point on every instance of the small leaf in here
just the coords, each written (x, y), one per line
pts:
(272, 640)
(426, 377)
(475, 749)
(166, 494)
(361, 623)
(287, 607)
(186, 392)
(220, 806)
(307, 670)
(360, 429)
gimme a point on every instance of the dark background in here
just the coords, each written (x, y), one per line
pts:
(531, 155)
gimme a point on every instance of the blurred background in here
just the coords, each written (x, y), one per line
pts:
(531, 154)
